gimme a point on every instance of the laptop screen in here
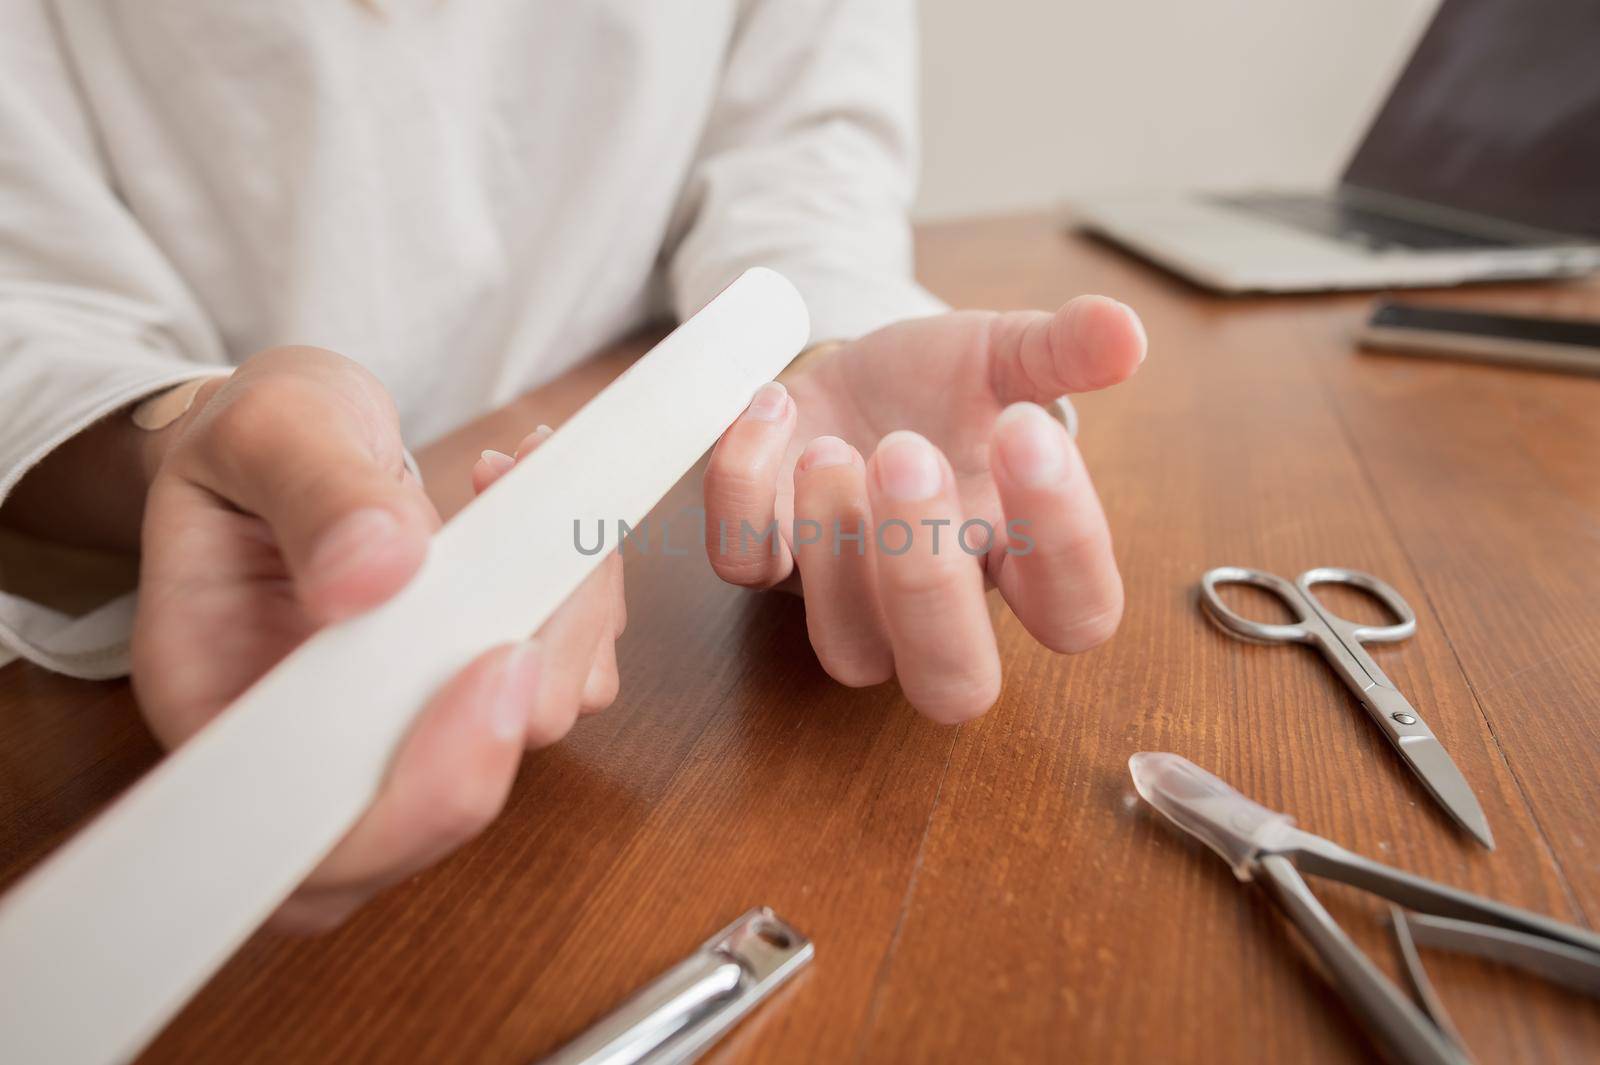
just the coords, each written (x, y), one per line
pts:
(1498, 113)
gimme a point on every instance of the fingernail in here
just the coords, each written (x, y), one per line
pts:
(497, 461)
(508, 706)
(770, 401)
(540, 434)
(908, 467)
(826, 451)
(349, 542)
(1030, 445)
(1138, 325)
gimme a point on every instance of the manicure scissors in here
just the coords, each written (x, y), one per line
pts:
(1262, 844)
(1340, 641)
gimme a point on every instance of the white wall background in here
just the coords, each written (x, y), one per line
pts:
(1025, 102)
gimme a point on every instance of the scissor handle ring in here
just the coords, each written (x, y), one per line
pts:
(1242, 627)
(1403, 629)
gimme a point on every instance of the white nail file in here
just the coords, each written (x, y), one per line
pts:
(108, 938)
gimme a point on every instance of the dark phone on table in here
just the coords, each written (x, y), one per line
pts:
(1567, 344)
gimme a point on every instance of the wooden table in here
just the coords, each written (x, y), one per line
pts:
(994, 892)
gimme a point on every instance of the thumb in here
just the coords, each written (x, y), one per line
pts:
(1093, 342)
(322, 464)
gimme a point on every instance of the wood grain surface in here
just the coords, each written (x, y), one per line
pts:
(994, 892)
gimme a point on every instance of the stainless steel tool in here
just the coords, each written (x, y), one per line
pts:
(1262, 844)
(677, 1017)
(1340, 641)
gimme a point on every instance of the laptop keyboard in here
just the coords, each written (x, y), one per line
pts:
(1345, 222)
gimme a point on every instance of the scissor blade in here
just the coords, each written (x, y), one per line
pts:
(1440, 776)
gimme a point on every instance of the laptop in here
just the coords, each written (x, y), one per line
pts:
(1483, 164)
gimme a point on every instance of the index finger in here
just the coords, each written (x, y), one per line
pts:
(1055, 566)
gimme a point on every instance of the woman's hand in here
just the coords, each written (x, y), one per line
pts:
(947, 408)
(282, 503)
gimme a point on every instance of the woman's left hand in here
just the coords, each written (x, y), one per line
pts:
(970, 483)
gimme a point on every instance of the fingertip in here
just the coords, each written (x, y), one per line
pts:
(1142, 344)
(742, 539)
(1030, 449)
(955, 703)
(770, 403)
(497, 462)
(601, 686)
(540, 434)
(907, 467)
(866, 664)
(1103, 337)
(313, 916)
(826, 451)
(489, 468)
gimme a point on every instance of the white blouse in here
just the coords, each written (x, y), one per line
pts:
(466, 196)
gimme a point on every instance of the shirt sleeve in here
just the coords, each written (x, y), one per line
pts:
(92, 317)
(808, 165)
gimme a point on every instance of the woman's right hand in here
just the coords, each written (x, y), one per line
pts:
(280, 502)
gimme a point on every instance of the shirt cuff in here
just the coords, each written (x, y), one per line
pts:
(66, 610)
(93, 646)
